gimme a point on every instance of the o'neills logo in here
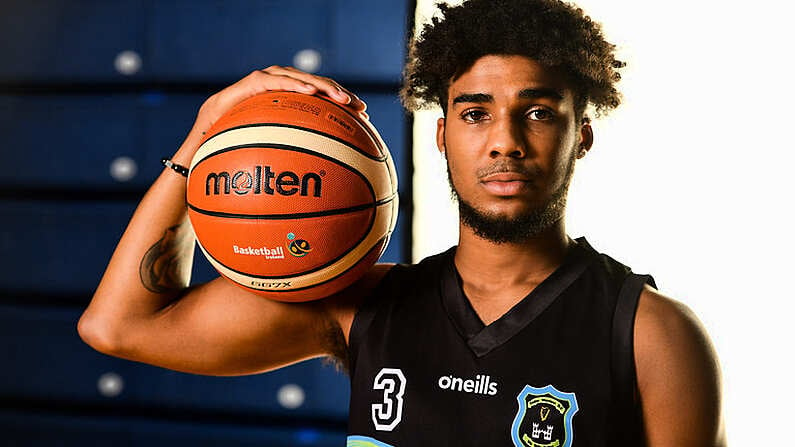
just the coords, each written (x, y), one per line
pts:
(479, 385)
(264, 181)
(269, 253)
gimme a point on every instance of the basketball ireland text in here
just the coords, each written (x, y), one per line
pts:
(264, 181)
(269, 253)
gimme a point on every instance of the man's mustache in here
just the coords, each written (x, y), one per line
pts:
(502, 166)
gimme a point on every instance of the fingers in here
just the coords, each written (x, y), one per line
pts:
(276, 78)
(264, 81)
(324, 85)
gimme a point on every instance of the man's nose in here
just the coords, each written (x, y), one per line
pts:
(506, 139)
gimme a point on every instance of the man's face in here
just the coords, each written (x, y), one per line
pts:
(511, 138)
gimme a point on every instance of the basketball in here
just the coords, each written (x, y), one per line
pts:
(292, 196)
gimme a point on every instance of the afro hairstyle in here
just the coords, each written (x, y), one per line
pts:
(557, 35)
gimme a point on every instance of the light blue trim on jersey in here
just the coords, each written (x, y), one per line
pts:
(571, 398)
(364, 441)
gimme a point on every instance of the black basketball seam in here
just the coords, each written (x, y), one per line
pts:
(292, 126)
(278, 146)
(367, 129)
(307, 215)
(332, 261)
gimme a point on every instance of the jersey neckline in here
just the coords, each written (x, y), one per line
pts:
(481, 338)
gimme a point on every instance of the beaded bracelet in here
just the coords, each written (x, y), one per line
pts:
(177, 168)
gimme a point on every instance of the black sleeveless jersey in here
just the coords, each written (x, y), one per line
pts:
(556, 370)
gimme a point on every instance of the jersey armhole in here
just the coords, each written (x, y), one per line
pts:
(626, 403)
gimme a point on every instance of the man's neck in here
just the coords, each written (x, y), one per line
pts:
(497, 276)
(477, 257)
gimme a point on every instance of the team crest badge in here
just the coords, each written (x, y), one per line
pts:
(544, 418)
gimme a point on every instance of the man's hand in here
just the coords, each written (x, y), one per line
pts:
(275, 78)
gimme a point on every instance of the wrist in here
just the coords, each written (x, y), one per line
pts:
(176, 167)
(184, 155)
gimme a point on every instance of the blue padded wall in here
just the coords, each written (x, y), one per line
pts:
(34, 429)
(47, 362)
(199, 40)
(92, 94)
(68, 41)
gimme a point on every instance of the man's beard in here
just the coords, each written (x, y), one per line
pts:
(502, 229)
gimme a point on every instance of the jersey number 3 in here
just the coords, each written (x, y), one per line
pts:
(387, 414)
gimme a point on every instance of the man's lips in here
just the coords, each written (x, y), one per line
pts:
(505, 177)
(505, 183)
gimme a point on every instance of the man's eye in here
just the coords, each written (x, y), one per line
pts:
(540, 115)
(473, 115)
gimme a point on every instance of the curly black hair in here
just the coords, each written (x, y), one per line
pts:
(553, 33)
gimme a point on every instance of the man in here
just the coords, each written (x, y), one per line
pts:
(517, 336)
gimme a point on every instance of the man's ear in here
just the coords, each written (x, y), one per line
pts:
(440, 135)
(586, 139)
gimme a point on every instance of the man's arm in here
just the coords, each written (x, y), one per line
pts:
(678, 375)
(142, 309)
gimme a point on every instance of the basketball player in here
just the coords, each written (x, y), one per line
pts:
(518, 336)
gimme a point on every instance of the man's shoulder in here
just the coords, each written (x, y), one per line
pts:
(674, 357)
(666, 328)
(662, 320)
(604, 263)
(430, 266)
(382, 282)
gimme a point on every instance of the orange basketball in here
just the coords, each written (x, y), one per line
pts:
(292, 196)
